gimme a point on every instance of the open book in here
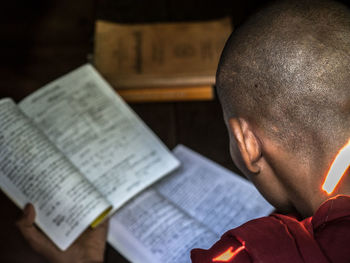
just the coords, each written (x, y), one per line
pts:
(77, 152)
(190, 208)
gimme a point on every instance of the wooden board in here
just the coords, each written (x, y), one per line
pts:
(163, 94)
(132, 56)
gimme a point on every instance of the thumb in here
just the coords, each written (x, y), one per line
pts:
(35, 238)
(27, 219)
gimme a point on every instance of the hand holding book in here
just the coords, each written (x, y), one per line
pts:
(77, 152)
(89, 247)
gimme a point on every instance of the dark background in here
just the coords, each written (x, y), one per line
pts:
(44, 39)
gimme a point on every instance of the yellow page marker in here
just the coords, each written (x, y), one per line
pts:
(100, 218)
(338, 168)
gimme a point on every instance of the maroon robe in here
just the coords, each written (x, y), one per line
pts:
(325, 237)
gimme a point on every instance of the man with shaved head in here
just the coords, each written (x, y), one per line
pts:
(284, 84)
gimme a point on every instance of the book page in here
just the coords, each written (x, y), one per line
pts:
(210, 193)
(190, 208)
(150, 229)
(100, 134)
(33, 170)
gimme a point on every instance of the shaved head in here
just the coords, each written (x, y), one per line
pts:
(287, 70)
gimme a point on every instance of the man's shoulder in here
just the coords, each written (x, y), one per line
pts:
(276, 238)
(331, 228)
(280, 238)
(265, 239)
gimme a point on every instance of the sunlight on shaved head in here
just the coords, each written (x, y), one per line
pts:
(287, 70)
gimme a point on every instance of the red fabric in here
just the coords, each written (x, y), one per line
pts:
(323, 238)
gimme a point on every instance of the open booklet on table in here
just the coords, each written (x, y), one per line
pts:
(77, 152)
(190, 208)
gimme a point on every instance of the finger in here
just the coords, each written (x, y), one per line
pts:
(104, 225)
(97, 233)
(35, 238)
(102, 228)
(28, 217)
(26, 223)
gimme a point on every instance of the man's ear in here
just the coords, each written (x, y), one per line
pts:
(247, 142)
